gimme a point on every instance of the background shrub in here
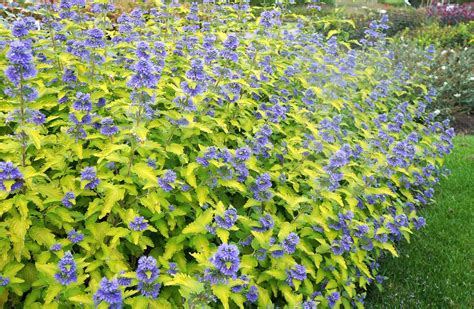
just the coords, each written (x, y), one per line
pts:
(400, 19)
(443, 37)
(454, 79)
(452, 14)
(449, 73)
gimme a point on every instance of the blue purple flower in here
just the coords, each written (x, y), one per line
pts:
(243, 154)
(290, 242)
(67, 269)
(11, 174)
(107, 127)
(260, 188)
(168, 178)
(150, 290)
(147, 271)
(333, 298)
(82, 102)
(138, 224)
(36, 117)
(297, 272)
(229, 219)
(89, 174)
(252, 294)
(56, 247)
(266, 223)
(123, 281)
(4, 280)
(109, 291)
(94, 38)
(67, 199)
(20, 28)
(145, 75)
(21, 59)
(419, 222)
(227, 260)
(309, 304)
(74, 236)
(172, 269)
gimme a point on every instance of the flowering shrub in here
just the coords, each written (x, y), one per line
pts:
(400, 20)
(202, 156)
(442, 37)
(449, 73)
(452, 14)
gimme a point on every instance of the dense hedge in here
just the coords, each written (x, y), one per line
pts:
(204, 157)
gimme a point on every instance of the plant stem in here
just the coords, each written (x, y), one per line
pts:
(132, 155)
(22, 123)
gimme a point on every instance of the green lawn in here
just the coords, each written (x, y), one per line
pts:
(436, 270)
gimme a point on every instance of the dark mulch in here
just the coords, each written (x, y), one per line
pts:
(464, 124)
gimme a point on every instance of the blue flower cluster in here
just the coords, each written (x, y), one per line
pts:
(67, 269)
(298, 272)
(68, 199)
(290, 242)
(22, 66)
(229, 219)
(232, 165)
(74, 236)
(147, 273)
(266, 224)
(89, 175)
(262, 144)
(138, 224)
(4, 280)
(226, 260)
(11, 178)
(261, 188)
(109, 292)
(165, 182)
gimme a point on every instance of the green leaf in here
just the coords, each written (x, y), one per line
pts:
(152, 201)
(390, 248)
(173, 245)
(333, 196)
(202, 193)
(199, 225)
(233, 184)
(222, 292)
(108, 150)
(82, 299)
(17, 232)
(292, 299)
(189, 175)
(187, 281)
(52, 292)
(223, 235)
(377, 191)
(176, 149)
(113, 194)
(147, 173)
(42, 235)
(12, 269)
(278, 274)
(238, 299)
(35, 137)
(332, 32)
(317, 258)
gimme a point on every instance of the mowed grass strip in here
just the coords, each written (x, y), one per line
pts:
(436, 269)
